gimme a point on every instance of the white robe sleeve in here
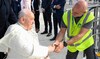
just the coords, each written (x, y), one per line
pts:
(40, 51)
(20, 46)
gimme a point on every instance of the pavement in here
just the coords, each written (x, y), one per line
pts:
(45, 41)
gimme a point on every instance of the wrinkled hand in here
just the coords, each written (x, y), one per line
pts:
(59, 47)
(51, 48)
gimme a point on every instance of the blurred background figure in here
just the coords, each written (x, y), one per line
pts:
(95, 1)
(35, 9)
(70, 2)
(7, 17)
(46, 9)
(58, 9)
(16, 6)
(26, 4)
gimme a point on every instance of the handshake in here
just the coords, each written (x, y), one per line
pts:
(57, 46)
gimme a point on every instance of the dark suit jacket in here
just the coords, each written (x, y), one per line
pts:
(36, 4)
(7, 16)
(58, 2)
(46, 4)
(16, 6)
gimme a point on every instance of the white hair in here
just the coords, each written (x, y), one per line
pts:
(25, 12)
(22, 13)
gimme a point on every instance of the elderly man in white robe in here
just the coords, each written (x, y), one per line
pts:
(21, 41)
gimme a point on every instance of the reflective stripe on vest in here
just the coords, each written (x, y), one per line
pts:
(68, 30)
(87, 40)
(84, 40)
(69, 12)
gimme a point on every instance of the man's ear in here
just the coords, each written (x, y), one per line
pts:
(22, 20)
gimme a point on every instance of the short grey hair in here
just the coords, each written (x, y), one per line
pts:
(22, 13)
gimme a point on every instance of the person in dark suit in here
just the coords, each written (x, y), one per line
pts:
(46, 9)
(7, 17)
(35, 9)
(58, 9)
(16, 6)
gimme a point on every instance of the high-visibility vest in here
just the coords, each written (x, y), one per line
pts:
(73, 29)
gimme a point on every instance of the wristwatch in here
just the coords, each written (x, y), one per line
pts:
(64, 43)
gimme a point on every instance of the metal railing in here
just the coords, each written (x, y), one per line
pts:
(96, 24)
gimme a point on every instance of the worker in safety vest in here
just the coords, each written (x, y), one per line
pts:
(77, 22)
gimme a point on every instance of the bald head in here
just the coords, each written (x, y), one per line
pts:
(80, 7)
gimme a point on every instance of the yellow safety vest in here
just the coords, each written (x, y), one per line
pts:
(73, 29)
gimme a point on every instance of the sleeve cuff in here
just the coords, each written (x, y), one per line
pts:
(40, 51)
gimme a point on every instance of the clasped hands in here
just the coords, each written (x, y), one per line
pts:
(56, 47)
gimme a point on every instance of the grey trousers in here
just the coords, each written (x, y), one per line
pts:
(90, 53)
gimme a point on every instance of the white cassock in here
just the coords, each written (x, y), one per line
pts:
(22, 44)
(26, 4)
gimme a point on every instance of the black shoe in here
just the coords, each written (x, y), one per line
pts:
(45, 32)
(53, 39)
(49, 34)
(37, 30)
